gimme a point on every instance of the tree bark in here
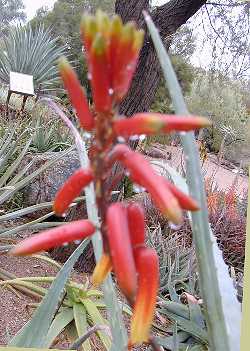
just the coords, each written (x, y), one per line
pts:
(168, 18)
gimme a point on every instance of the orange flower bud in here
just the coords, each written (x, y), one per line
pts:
(118, 51)
(147, 266)
(103, 23)
(143, 174)
(155, 123)
(76, 94)
(55, 237)
(103, 267)
(121, 250)
(100, 75)
(125, 59)
(115, 35)
(71, 189)
(136, 221)
(89, 29)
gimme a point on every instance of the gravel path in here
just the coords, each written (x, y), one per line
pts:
(223, 177)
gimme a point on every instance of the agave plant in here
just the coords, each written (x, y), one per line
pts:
(178, 269)
(34, 52)
(188, 332)
(80, 309)
(15, 143)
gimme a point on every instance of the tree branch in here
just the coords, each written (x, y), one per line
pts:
(228, 5)
(132, 10)
(170, 16)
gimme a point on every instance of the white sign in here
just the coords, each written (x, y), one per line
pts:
(21, 83)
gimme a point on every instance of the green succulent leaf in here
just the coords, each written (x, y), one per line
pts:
(97, 318)
(80, 317)
(34, 333)
(62, 319)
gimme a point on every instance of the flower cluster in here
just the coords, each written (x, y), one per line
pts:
(112, 50)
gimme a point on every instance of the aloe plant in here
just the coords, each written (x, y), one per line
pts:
(188, 331)
(33, 52)
(177, 263)
(80, 309)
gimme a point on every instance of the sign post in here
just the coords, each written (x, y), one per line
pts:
(21, 84)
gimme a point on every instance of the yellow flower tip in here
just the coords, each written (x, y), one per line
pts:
(204, 122)
(147, 264)
(15, 251)
(138, 40)
(65, 69)
(128, 32)
(100, 15)
(84, 21)
(63, 63)
(174, 213)
(99, 46)
(103, 267)
(88, 26)
(155, 122)
(20, 250)
(116, 25)
(103, 22)
(56, 209)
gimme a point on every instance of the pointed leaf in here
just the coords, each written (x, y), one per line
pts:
(33, 334)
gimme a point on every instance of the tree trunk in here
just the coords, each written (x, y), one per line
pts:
(168, 18)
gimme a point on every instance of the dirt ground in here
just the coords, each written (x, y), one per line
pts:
(14, 305)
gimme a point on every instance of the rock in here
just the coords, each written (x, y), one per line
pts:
(44, 187)
(156, 151)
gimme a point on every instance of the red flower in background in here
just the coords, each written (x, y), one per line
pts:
(112, 50)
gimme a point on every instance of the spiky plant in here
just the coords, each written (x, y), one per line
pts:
(178, 267)
(34, 52)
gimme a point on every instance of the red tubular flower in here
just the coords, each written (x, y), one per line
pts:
(112, 50)
(103, 267)
(143, 174)
(136, 221)
(121, 249)
(88, 29)
(186, 202)
(155, 123)
(130, 68)
(115, 36)
(125, 59)
(103, 23)
(147, 266)
(55, 237)
(100, 75)
(71, 189)
(76, 94)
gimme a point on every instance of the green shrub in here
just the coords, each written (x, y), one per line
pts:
(221, 100)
